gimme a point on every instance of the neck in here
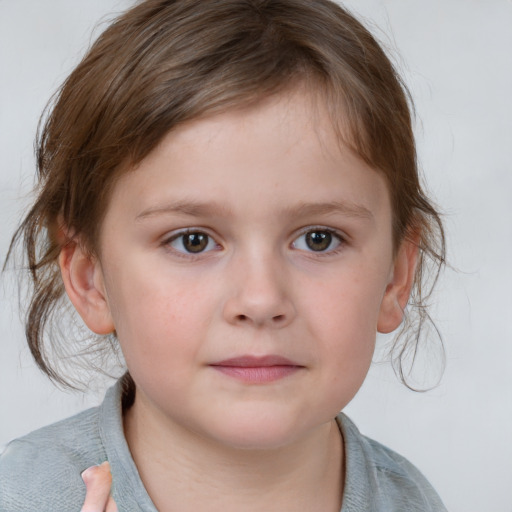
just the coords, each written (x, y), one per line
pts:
(186, 472)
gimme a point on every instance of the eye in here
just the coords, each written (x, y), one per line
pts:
(318, 240)
(192, 242)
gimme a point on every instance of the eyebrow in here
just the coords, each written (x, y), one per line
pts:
(190, 208)
(348, 209)
(213, 209)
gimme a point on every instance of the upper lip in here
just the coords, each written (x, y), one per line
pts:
(256, 361)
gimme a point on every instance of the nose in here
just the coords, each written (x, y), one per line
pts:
(259, 294)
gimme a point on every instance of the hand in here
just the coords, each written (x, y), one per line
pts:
(98, 481)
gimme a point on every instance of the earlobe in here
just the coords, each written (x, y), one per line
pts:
(83, 279)
(399, 287)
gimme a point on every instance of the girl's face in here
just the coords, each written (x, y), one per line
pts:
(246, 265)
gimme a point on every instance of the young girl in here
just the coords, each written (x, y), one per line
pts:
(229, 192)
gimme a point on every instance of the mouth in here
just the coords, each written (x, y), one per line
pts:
(257, 370)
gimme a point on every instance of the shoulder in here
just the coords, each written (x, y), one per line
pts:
(41, 471)
(388, 477)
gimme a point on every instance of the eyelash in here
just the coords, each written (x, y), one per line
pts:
(334, 234)
(180, 235)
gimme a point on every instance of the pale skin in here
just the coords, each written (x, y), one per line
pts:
(97, 480)
(251, 233)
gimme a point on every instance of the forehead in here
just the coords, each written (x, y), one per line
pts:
(283, 151)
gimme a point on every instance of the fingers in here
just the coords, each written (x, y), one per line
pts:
(98, 481)
(111, 505)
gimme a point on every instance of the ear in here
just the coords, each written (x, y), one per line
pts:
(399, 287)
(84, 283)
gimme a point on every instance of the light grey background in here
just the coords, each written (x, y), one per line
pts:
(456, 57)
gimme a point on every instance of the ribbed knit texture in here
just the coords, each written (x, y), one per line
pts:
(41, 471)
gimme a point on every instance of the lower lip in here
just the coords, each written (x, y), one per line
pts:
(258, 374)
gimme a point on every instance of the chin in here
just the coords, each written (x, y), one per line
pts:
(256, 432)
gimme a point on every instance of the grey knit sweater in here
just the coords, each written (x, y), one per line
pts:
(41, 471)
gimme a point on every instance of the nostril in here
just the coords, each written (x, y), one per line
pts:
(278, 318)
(242, 318)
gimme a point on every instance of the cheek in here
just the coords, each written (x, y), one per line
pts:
(346, 304)
(342, 318)
(159, 322)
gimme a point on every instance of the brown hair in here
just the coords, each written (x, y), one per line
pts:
(165, 62)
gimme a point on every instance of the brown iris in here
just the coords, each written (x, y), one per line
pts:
(318, 240)
(195, 242)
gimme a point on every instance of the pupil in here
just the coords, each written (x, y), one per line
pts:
(195, 242)
(318, 240)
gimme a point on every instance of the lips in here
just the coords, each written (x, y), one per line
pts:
(257, 370)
